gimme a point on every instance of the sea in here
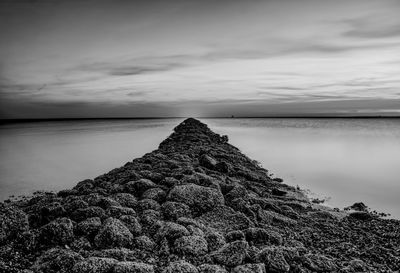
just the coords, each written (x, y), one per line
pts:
(339, 160)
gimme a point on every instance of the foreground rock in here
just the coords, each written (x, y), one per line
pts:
(194, 205)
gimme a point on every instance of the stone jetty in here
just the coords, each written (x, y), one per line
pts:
(194, 205)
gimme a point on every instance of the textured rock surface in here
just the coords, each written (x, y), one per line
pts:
(194, 205)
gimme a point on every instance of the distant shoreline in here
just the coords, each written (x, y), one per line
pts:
(7, 121)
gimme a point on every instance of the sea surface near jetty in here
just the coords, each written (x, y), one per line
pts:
(349, 160)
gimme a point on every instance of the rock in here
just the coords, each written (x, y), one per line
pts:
(225, 219)
(56, 260)
(120, 211)
(236, 235)
(89, 227)
(81, 243)
(360, 206)
(113, 234)
(125, 199)
(214, 240)
(211, 268)
(277, 179)
(12, 222)
(175, 210)
(156, 194)
(191, 245)
(57, 232)
(318, 263)
(207, 161)
(231, 254)
(180, 267)
(94, 265)
(132, 224)
(148, 204)
(278, 192)
(144, 243)
(249, 268)
(199, 199)
(107, 202)
(361, 215)
(140, 186)
(133, 267)
(171, 231)
(89, 212)
(260, 236)
(51, 211)
(274, 260)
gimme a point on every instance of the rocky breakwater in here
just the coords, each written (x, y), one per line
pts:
(194, 205)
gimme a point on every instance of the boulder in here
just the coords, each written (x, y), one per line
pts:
(200, 199)
(191, 245)
(125, 199)
(89, 227)
(57, 232)
(175, 210)
(84, 213)
(249, 268)
(12, 222)
(113, 234)
(318, 263)
(132, 224)
(211, 268)
(225, 219)
(231, 254)
(274, 260)
(207, 161)
(133, 267)
(156, 194)
(56, 260)
(215, 240)
(260, 236)
(180, 267)
(171, 231)
(235, 235)
(94, 265)
(118, 211)
(144, 243)
(140, 186)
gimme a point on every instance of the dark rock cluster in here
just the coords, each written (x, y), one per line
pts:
(194, 205)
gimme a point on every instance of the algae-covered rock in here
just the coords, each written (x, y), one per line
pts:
(191, 245)
(133, 267)
(231, 254)
(249, 268)
(200, 199)
(211, 268)
(57, 232)
(113, 234)
(274, 260)
(180, 267)
(94, 265)
(56, 260)
(13, 221)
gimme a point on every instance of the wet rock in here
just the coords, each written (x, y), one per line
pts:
(231, 254)
(57, 232)
(236, 235)
(133, 267)
(125, 199)
(89, 212)
(56, 260)
(361, 215)
(249, 268)
(132, 224)
(199, 199)
(12, 222)
(171, 231)
(260, 236)
(140, 186)
(156, 194)
(207, 161)
(191, 245)
(113, 234)
(319, 263)
(148, 204)
(120, 211)
(94, 265)
(175, 210)
(180, 267)
(214, 240)
(89, 227)
(274, 260)
(211, 268)
(225, 219)
(144, 243)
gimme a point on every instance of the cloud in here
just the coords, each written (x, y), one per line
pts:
(373, 27)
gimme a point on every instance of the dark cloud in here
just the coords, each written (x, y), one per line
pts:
(373, 27)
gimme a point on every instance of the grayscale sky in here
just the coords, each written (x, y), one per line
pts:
(111, 58)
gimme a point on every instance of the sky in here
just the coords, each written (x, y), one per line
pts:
(158, 58)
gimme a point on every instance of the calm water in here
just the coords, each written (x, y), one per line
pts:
(348, 160)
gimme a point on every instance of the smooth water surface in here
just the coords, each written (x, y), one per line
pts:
(348, 160)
